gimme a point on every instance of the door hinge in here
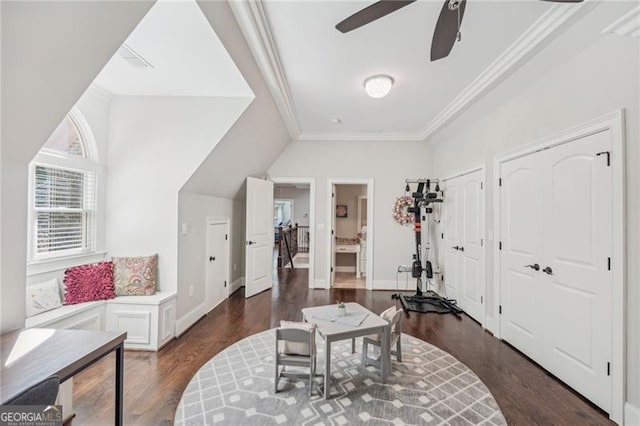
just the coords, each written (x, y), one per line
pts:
(442, 236)
(608, 369)
(332, 232)
(499, 181)
(481, 242)
(481, 299)
(500, 245)
(226, 237)
(481, 185)
(225, 283)
(500, 309)
(332, 269)
(333, 194)
(442, 278)
(608, 263)
(608, 157)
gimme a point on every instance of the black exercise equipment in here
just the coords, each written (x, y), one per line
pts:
(428, 301)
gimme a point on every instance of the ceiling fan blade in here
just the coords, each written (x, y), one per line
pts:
(371, 13)
(564, 1)
(446, 32)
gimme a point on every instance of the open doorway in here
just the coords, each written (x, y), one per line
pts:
(350, 253)
(292, 221)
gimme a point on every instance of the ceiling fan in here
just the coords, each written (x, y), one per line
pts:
(447, 30)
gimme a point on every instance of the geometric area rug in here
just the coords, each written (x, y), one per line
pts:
(430, 387)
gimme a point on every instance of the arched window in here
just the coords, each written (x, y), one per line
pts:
(62, 205)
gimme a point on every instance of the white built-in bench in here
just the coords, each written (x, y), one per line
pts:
(148, 320)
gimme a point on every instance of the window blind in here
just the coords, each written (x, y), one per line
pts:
(64, 210)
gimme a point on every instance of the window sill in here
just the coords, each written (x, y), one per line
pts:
(51, 265)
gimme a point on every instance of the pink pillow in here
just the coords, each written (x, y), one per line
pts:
(86, 283)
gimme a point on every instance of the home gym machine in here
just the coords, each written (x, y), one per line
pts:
(429, 300)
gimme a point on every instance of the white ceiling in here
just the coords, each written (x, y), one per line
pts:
(325, 69)
(187, 56)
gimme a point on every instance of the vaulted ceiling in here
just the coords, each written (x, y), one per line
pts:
(316, 73)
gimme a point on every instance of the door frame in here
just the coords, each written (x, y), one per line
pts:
(312, 217)
(227, 249)
(613, 122)
(370, 222)
(483, 230)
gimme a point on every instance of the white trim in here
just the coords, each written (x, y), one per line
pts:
(558, 18)
(491, 324)
(359, 218)
(255, 26)
(319, 283)
(226, 222)
(483, 231)
(236, 285)
(391, 285)
(190, 318)
(626, 25)
(312, 219)
(631, 414)
(613, 122)
(39, 267)
(370, 224)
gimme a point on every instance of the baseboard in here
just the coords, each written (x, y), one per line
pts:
(351, 269)
(189, 319)
(631, 414)
(235, 286)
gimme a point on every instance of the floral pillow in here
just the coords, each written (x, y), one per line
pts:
(43, 297)
(86, 283)
(135, 276)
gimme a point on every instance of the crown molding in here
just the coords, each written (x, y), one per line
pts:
(355, 137)
(528, 44)
(253, 21)
(626, 25)
(255, 26)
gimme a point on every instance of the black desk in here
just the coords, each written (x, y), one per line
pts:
(31, 355)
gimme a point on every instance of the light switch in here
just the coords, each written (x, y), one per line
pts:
(184, 228)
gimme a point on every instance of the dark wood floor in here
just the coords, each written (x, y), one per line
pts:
(154, 381)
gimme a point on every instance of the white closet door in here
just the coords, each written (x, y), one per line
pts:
(471, 253)
(577, 206)
(523, 299)
(452, 223)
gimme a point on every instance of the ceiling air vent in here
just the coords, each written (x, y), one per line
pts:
(133, 57)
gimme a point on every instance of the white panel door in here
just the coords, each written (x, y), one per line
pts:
(259, 232)
(332, 277)
(216, 290)
(577, 207)
(451, 239)
(523, 299)
(471, 253)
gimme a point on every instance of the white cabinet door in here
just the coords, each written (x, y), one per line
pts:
(577, 207)
(556, 211)
(259, 234)
(451, 239)
(523, 298)
(471, 252)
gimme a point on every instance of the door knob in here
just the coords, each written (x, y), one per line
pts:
(456, 247)
(548, 270)
(250, 242)
(211, 258)
(535, 267)
(461, 248)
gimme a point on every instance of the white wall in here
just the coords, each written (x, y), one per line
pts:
(45, 70)
(561, 88)
(389, 164)
(194, 210)
(347, 227)
(300, 197)
(155, 145)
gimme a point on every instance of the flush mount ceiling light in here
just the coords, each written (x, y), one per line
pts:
(378, 86)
